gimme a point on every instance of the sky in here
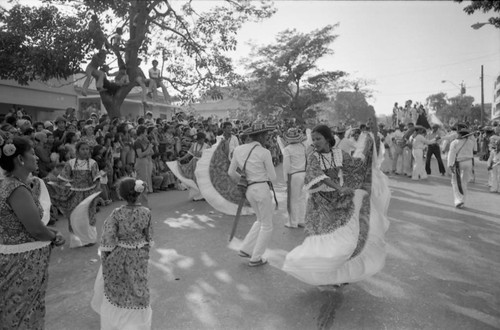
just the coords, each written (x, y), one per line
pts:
(406, 47)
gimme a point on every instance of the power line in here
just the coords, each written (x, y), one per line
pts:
(442, 66)
(428, 92)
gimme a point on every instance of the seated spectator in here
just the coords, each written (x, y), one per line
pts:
(121, 76)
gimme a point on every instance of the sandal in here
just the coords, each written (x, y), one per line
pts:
(257, 263)
(243, 254)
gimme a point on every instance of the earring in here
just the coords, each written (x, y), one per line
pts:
(22, 163)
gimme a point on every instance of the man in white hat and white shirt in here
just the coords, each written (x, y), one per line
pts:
(460, 159)
(259, 171)
(294, 172)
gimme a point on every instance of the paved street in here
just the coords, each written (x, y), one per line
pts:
(441, 271)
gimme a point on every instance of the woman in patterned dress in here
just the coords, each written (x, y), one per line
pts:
(121, 291)
(25, 242)
(82, 175)
(345, 216)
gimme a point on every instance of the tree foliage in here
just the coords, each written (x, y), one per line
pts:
(484, 6)
(437, 101)
(284, 76)
(40, 43)
(352, 108)
(48, 42)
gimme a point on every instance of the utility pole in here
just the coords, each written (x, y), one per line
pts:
(482, 95)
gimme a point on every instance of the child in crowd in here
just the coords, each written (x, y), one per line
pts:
(99, 155)
(118, 170)
(121, 291)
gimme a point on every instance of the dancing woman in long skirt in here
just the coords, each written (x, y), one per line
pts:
(121, 290)
(345, 217)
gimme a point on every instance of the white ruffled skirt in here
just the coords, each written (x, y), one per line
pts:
(331, 259)
(116, 318)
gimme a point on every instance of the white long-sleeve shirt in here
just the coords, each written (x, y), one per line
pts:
(233, 143)
(347, 145)
(461, 149)
(294, 159)
(259, 165)
(419, 142)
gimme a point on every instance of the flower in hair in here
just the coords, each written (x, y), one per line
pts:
(139, 186)
(9, 149)
(1, 140)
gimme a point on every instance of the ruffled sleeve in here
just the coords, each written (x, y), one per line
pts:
(94, 170)
(314, 173)
(109, 237)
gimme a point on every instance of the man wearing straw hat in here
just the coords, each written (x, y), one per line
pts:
(434, 149)
(256, 164)
(294, 171)
(460, 163)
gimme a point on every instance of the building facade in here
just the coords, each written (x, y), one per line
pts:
(47, 100)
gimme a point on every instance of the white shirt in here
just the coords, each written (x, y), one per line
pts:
(259, 165)
(419, 142)
(233, 143)
(294, 159)
(347, 145)
(459, 153)
(154, 73)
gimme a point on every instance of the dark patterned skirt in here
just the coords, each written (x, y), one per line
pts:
(215, 184)
(23, 283)
(121, 291)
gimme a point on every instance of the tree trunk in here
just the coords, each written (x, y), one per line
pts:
(113, 102)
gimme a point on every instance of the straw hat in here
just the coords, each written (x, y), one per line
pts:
(258, 128)
(464, 131)
(294, 135)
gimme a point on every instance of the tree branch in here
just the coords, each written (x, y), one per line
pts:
(188, 40)
(178, 19)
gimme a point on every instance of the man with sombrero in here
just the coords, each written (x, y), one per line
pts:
(294, 171)
(256, 165)
(460, 163)
(434, 149)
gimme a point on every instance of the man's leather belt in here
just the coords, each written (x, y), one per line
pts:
(251, 183)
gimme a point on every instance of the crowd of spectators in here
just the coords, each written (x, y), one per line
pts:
(114, 144)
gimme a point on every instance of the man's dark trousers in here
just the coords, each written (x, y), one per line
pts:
(433, 149)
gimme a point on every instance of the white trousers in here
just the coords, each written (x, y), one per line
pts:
(495, 179)
(418, 165)
(298, 200)
(407, 160)
(257, 239)
(465, 176)
(397, 154)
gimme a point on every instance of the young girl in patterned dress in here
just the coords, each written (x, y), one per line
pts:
(82, 175)
(121, 291)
